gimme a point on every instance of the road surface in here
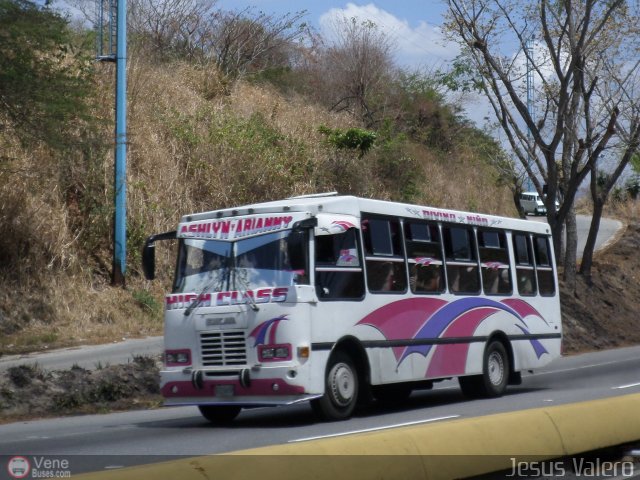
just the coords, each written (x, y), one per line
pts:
(96, 442)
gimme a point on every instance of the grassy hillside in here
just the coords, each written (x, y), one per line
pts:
(196, 142)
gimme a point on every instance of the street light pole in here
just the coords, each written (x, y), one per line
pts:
(530, 105)
(120, 183)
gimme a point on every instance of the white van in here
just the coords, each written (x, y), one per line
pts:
(532, 203)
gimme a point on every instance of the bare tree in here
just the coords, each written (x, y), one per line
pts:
(603, 182)
(356, 68)
(245, 41)
(577, 119)
(159, 27)
(170, 25)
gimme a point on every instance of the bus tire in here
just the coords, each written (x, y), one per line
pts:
(495, 374)
(341, 389)
(219, 414)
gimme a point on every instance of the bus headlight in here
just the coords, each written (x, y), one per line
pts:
(272, 353)
(177, 358)
(282, 352)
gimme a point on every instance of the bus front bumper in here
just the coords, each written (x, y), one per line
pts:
(206, 387)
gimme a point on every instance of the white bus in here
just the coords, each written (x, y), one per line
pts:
(331, 299)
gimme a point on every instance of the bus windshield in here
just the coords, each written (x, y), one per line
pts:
(270, 260)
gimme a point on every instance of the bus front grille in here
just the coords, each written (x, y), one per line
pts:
(222, 349)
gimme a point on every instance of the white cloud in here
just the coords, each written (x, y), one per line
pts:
(422, 45)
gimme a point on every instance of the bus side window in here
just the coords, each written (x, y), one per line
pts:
(338, 273)
(525, 272)
(385, 264)
(494, 260)
(461, 263)
(544, 267)
(424, 253)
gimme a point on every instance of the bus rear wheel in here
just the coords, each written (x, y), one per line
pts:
(341, 389)
(495, 374)
(219, 414)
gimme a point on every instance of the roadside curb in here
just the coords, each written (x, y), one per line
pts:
(451, 449)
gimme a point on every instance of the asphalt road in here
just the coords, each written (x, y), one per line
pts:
(97, 442)
(87, 356)
(607, 233)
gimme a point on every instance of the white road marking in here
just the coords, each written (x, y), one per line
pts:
(385, 427)
(564, 370)
(631, 385)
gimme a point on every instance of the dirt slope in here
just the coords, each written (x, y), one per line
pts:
(605, 314)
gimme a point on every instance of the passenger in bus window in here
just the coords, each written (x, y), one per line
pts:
(380, 276)
(525, 282)
(491, 280)
(426, 278)
(463, 279)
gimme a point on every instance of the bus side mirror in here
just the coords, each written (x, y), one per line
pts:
(149, 253)
(149, 259)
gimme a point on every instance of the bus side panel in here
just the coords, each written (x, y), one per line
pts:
(450, 340)
(333, 321)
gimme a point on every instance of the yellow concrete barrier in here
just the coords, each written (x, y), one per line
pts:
(452, 449)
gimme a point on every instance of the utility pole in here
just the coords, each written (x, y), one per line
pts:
(114, 49)
(120, 190)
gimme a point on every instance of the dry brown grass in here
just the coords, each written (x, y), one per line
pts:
(461, 181)
(627, 212)
(195, 143)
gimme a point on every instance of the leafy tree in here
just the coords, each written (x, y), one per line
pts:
(632, 187)
(420, 109)
(44, 80)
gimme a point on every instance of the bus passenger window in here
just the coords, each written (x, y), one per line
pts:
(380, 276)
(494, 260)
(424, 254)
(338, 272)
(544, 267)
(525, 271)
(384, 262)
(462, 267)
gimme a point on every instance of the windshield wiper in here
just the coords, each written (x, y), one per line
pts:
(245, 293)
(199, 297)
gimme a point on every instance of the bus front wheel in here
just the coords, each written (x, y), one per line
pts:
(495, 374)
(341, 389)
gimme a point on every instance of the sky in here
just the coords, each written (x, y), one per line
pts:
(413, 25)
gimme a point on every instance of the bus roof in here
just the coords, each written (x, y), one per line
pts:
(332, 203)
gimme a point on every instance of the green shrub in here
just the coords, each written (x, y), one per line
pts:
(350, 138)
